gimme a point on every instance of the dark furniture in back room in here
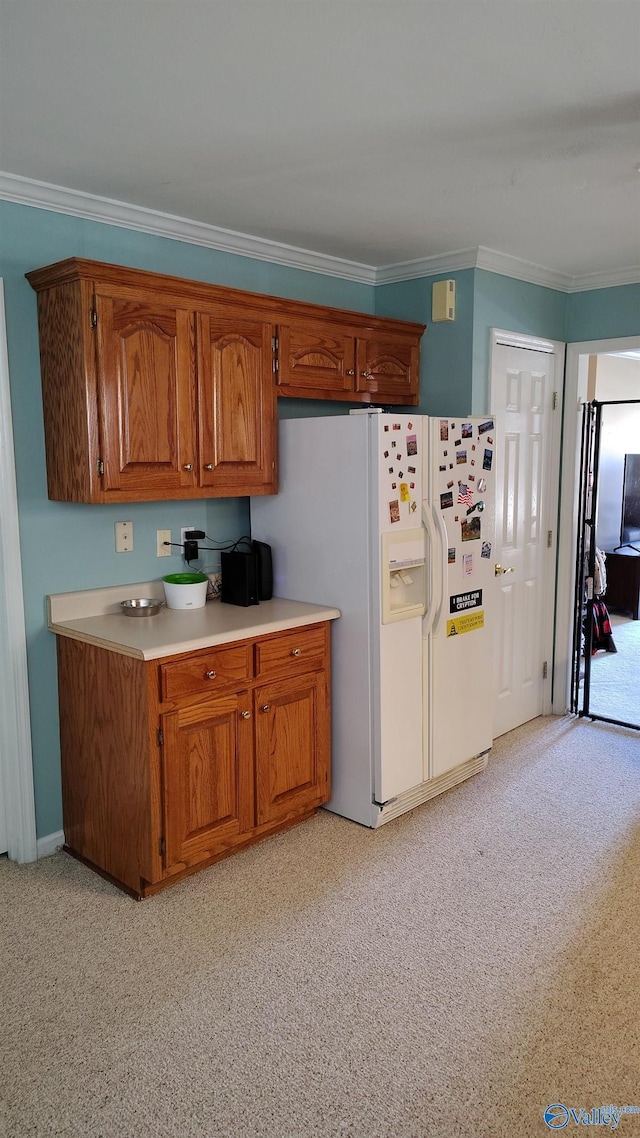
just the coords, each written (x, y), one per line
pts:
(623, 581)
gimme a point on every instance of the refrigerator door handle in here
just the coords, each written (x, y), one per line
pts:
(444, 547)
(427, 521)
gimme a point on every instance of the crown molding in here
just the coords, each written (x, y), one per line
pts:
(91, 207)
(427, 266)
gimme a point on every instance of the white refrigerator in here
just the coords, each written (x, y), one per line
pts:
(381, 516)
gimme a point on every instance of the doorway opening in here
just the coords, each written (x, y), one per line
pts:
(605, 376)
(606, 639)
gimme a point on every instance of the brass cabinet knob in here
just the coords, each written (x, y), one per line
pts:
(266, 707)
(188, 466)
(210, 675)
(245, 714)
(351, 371)
(296, 651)
(208, 466)
(365, 374)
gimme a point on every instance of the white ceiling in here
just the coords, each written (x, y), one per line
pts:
(379, 131)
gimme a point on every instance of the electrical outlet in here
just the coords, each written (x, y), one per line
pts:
(162, 537)
(124, 537)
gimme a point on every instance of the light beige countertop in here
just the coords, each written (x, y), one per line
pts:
(95, 617)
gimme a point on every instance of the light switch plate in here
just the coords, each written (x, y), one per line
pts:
(162, 536)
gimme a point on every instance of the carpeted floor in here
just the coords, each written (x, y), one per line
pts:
(451, 974)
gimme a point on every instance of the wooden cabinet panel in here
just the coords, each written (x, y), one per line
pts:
(388, 367)
(210, 671)
(161, 777)
(292, 653)
(316, 356)
(145, 386)
(237, 404)
(208, 778)
(292, 770)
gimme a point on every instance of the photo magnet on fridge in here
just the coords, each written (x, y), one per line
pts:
(394, 511)
(457, 442)
(446, 500)
(444, 431)
(443, 467)
(487, 460)
(467, 564)
(470, 529)
(486, 426)
(451, 555)
(461, 456)
(467, 430)
(486, 549)
(412, 445)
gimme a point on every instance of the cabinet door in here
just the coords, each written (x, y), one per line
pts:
(145, 395)
(292, 747)
(315, 357)
(208, 778)
(388, 366)
(237, 405)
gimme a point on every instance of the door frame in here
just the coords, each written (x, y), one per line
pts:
(574, 396)
(557, 349)
(16, 765)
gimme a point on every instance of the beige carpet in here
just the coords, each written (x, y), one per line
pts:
(451, 974)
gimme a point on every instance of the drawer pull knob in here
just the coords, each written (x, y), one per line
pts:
(210, 675)
(350, 371)
(245, 714)
(296, 651)
(208, 466)
(266, 707)
(188, 466)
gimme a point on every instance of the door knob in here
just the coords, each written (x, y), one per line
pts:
(498, 571)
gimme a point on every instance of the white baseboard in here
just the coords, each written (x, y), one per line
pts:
(50, 844)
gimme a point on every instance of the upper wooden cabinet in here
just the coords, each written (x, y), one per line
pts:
(156, 387)
(370, 361)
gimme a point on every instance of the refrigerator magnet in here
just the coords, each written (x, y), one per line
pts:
(451, 555)
(450, 466)
(413, 507)
(482, 485)
(461, 456)
(489, 439)
(440, 468)
(412, 469)
(404, 492)
(394, 511)
(467, 430)
(394, 485)
(446, 500)
(486, 426)
(445, 454)
(386, 454)
(409, 426)
(486, 549)
(412, 485)
(390, 470)
(467, 564)
(450, 484)
(401, 474)
(472, 477)
(453, 426)
(444, 431)
(457, 442)
(487, 460)
(470, 530)
(412, 445)
(473, 461)
(393, 443)
(398, 426)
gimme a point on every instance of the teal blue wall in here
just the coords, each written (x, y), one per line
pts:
(515, 306)
(603, 313)
(445, 356)
(67, 546)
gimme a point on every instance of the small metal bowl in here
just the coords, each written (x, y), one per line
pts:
(141, 606)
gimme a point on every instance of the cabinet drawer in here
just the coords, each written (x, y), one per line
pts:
(292, 653)
(213, 670)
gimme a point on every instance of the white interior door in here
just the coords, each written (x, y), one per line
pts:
(525, 402)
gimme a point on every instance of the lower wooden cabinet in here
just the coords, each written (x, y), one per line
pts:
(170, 765)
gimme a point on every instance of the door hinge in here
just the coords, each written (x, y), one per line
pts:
(275, 366)
(555, 400)
(100, 465)
(162, 846)
(93, 318)
(274, 343)
(545, 670)
(549, 538)
(160, 737)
